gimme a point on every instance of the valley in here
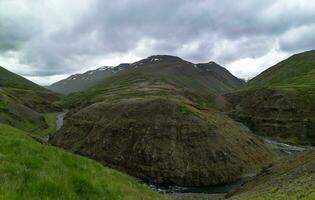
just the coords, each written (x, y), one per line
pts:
(160, 128)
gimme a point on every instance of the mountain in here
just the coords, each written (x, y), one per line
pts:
(279, 103)
(290, 178)
(221, 79)
(159, 120)
(31, 170)
(79, 82)
(23, 104)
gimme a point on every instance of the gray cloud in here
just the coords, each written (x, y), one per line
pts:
(55, 38)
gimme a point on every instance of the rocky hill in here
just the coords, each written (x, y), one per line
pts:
(159, 120)
(279, 103)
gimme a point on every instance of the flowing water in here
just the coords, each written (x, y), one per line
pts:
(287, 149)
(216, 189)
(59, 123)
(59, 120)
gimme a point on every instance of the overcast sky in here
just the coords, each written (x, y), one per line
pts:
(46, 40)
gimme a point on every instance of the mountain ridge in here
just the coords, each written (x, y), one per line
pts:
(80, 82)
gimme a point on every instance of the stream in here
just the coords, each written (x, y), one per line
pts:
(59, 120)
(285, 148)
(59, 123)
(215, 189)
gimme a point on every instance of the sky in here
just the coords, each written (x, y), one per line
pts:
(46, 41)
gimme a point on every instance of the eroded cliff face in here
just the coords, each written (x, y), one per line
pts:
(283, 114)
(164, 141)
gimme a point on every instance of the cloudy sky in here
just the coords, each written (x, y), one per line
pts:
(51, 39)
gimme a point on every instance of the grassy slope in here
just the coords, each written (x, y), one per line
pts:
(35, 103)
(171, 77)
(296, 72)
(167, 66)
(30, 170)
(9, 79)
(288, 179)
(23, 104)
(278, 103)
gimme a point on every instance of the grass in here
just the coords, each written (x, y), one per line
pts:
(141, 85)
(279, 102)
(30, 170)
(171, 77)
(292, 177)
(18, 108)
(9, 79)
(297, 73)
(34, 129)
(296, 189)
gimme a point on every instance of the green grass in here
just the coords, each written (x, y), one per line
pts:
(142, 85)
(38, 103)
(291, 190)
(296, 72)
(292, 177)
(33, 128)
(9, 79)
(30, 170)
(169, 78)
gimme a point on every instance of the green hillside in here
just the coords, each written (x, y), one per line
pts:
(167, 76)
(280, 102)
(23, 104)
(30, 170)
(296, 72)
(290, 178)
(11, 80)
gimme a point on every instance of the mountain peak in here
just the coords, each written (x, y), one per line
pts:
(212, 63)
(157, 58)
